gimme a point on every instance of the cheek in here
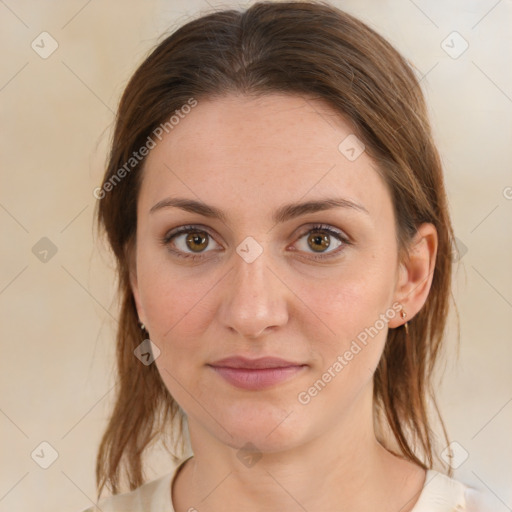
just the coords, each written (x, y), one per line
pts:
(350, 300)
(178, 312)
(347, 330)
(355, 315)
(176, 301)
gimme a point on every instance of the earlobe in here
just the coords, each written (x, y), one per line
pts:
(416, 272)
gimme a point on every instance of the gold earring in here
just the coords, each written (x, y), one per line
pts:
(403, 316)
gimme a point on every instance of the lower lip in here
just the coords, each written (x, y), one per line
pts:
(255, 379)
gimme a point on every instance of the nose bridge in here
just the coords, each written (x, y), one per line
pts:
(255, 299)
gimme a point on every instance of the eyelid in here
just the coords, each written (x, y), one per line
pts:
(184, 229)
(328, 228)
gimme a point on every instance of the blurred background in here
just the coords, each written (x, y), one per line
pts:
(64, 67)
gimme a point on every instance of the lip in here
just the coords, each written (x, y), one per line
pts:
(256, 374)
(254, 364)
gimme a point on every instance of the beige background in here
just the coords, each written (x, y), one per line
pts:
(57, 315)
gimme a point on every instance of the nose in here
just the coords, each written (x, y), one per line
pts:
(255, 300)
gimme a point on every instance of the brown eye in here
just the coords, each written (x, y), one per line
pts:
(197, 241)
(319, 241)
(190, 242)
(323, 240)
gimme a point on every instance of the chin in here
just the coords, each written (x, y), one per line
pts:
(269, 429)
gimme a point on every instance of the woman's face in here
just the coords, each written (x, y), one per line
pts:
(256, 273)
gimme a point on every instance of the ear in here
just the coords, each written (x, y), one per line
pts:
(132, 271)
(416, 273)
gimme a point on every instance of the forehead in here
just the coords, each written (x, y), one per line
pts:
(254, 150)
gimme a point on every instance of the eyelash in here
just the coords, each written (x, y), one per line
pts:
(339, 235)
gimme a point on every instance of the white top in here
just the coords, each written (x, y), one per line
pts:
(439, 494)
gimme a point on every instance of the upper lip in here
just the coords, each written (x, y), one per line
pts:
(260, 363)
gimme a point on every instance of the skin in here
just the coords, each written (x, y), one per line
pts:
(249, 156)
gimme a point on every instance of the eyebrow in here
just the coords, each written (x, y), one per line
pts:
(282, 214)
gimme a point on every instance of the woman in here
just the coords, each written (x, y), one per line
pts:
(276, 206)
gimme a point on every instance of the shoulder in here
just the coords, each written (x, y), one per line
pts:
(443, 494)
(153, 496)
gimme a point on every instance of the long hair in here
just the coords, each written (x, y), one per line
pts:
(311, 49)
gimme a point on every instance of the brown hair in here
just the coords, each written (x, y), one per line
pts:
(315, 50)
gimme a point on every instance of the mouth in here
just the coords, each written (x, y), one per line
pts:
(256, 374)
